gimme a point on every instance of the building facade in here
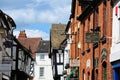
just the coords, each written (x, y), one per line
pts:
(115, 51)
(43, 67)
(7, 25)
(31, 44)
(15, 59)
(22, 61)
(56, 51)
(91, 29)
(66, 46)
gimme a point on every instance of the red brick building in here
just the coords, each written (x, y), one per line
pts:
(91, 24)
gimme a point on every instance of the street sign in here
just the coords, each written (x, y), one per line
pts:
(5, 67)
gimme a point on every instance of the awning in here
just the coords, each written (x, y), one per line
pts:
(71, 73)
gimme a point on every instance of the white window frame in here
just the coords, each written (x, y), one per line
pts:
(41, 73)
(42, 56)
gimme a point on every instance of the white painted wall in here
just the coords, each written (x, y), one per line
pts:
(66, 54)
(115, 49)
(67, 49)
(46, 63)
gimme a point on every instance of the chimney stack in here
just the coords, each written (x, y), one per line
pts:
(22, 35)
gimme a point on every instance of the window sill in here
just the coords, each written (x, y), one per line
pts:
(41, 77)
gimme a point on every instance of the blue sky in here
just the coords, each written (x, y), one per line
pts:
(36, 16)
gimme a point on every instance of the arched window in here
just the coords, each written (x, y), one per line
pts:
(88, 75)
(83, 75)
(96, 75)
(104, 71)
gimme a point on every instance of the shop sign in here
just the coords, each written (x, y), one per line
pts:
(74, 63)
(92, 37)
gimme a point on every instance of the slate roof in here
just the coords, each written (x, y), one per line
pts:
(56, 36)
(43, 47)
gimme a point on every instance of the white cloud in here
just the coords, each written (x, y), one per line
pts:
(38, 12)
(34, 13)
(34, 33)
(53, 3)
(28, 16)
(22, 15)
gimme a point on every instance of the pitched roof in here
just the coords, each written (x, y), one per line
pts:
(56, 36)
(30, 43)
(22, 47)
(43, 47)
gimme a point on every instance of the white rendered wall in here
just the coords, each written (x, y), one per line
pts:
(66, 54)
(115, 49)
(46, 63)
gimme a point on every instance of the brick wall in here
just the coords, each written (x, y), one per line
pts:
(101, 17)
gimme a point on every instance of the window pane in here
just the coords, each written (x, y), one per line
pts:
(118, 72)
(105, 73)
(42, 56)
(58, 58)
(61, 55)
(41, 71)
(60, 69)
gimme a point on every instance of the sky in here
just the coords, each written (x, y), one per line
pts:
(36, 16)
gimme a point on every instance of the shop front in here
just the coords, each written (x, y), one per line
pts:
(115, 61)
(116, 70)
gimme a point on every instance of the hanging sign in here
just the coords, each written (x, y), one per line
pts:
(74, 62)
(92, 37)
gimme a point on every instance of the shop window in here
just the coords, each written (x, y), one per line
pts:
(118, 73)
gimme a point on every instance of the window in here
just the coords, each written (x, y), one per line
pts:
(59, 58)
(88, 75)
(96, 75)
(118, 73)
(42, 56)
(104, 70)
(83, 75)
(41, 71)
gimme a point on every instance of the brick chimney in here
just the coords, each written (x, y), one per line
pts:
(22, 35)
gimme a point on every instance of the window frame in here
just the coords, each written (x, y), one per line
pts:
(42, 56)
(41, 72)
